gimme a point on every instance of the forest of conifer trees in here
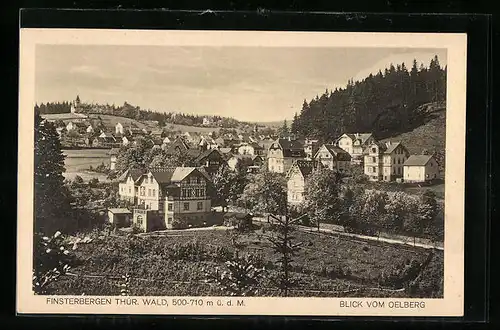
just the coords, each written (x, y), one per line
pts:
(385, 104)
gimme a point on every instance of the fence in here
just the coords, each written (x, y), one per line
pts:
(204, 283)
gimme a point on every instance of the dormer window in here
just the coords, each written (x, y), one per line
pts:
(374, 149)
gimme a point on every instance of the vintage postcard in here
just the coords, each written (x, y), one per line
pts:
(241, 173)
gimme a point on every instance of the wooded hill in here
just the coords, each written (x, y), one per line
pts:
(130, 111)
(386, 104)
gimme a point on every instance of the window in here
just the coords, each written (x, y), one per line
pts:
(198, 179)
(129, 190)
(154, 193)
(374, 149)
(139, 220)
(183, 192)
(394, 160)
(399, 160)
(169, 220)
(149, 192)
(374, 159)
(199, 206)
(431, 164)
(186, 206)
(399, 170)
(188, 193)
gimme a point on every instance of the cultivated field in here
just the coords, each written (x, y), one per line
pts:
(63, 116)
(175, 263)
(77, 162)
(110, 121)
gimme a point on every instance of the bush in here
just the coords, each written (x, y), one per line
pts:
(50, 261)
(179, 223)
(241, 221)
(190, 251)
(94, 182)
(239, 277)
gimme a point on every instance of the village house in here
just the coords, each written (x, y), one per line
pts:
(207, 121)
(420, 168)
(311, 147)
(77, 126)
(126, 140)
(355, 144)
(384, 161)
(297, 178)
(89, 129)
(178, 146)
(265, 144)
(282, 153)
(333, 157)
(166, 140)
(178, 194)
(107, 140)
(210, 160)
(207, 142)
(251, 162)
(127, 188)
(118, 128)
(113, 153)
(250, 149)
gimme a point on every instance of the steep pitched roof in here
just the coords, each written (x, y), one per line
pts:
(206, 153)
(134, 173)
(290, 144)
(337, 152)
(305, 167)
(291, 148)
(417, 160)
(391, 146)
(362, 137)
(170, 175)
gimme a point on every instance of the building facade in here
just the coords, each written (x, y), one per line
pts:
(297, 179)
(282, 154)
(420, 168)
(181, 195)
(354, 144)
(384, 161)
(127, 187)
(333, 157)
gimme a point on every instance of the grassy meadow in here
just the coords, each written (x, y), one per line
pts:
(175, 264)
(78, 162)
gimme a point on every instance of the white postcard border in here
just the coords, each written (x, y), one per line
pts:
(451, 305)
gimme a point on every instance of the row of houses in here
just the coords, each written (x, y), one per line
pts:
(381, 161)
(417, 168)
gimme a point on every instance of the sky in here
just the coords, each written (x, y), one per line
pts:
(247, 83)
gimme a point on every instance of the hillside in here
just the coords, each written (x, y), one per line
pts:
(385, 104)
(63, 116)
(430, 136)
(110, 121)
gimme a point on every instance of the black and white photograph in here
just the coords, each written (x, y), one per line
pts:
(254, 171)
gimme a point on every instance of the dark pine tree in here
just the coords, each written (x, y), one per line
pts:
(52, 199)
